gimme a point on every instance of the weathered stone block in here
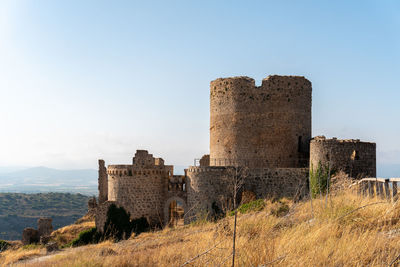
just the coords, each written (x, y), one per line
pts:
(45, 226)
(30, 236)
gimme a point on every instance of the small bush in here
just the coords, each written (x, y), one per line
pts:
(318, 179)
(4, 245)
(90, 236)
(217, 213)
(256, 205)
(118, 224)
(281, 210)
(140, 225)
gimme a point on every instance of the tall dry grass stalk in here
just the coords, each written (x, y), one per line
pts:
(339, 234)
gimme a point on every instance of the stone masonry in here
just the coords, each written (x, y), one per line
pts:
(45, 226)
(31, 235)
(265, 126)
(144, 189)
(103, 182)
(356, 158)
(264, 129)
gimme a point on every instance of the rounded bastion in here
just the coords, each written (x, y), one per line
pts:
(260, 126)
(205, 186)
(139, 191)
(356, 158)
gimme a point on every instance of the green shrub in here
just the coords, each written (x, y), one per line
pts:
(90, 236)
(256, 205)
(118, 224)
(318, 179)
(4, 245)
(140, 225)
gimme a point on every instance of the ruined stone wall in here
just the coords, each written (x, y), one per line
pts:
(102, 182)
(208, 186)
(45, 227)
(101, 214)
(356, 158)
(265, 126)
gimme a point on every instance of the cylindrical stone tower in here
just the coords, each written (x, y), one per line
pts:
(206, 188)
(265, 126)
(356, 158)
(140, 191)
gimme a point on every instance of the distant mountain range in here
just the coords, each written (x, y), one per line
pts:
(43, 179)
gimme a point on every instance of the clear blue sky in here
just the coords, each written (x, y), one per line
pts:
(81, 80)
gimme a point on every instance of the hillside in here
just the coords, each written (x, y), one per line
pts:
(346, 230)
(18, 211)
(43, 179)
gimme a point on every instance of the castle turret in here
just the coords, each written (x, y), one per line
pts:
(265, 126)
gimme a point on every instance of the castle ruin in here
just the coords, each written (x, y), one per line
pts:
(266, 129)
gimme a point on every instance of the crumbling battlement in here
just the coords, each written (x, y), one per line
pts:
(143, 187)
(356, 158)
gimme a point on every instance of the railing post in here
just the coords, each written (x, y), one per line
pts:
(387, 192)
(370, 189)
(379, 189)
(361, 188)
(394, 191)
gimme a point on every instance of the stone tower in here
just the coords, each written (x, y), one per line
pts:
(267, 126)
(140, 188)
(356, 158)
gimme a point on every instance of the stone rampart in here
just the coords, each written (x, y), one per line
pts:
(210, 187)
(278, 182)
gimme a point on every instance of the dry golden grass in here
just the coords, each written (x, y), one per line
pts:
(68, 233)
(333, 233)
(18, 254)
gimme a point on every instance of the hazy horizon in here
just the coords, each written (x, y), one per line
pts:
(86, 80)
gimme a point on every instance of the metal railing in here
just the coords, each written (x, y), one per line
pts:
(256, 162)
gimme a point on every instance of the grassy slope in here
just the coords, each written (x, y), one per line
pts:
(368, 236)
